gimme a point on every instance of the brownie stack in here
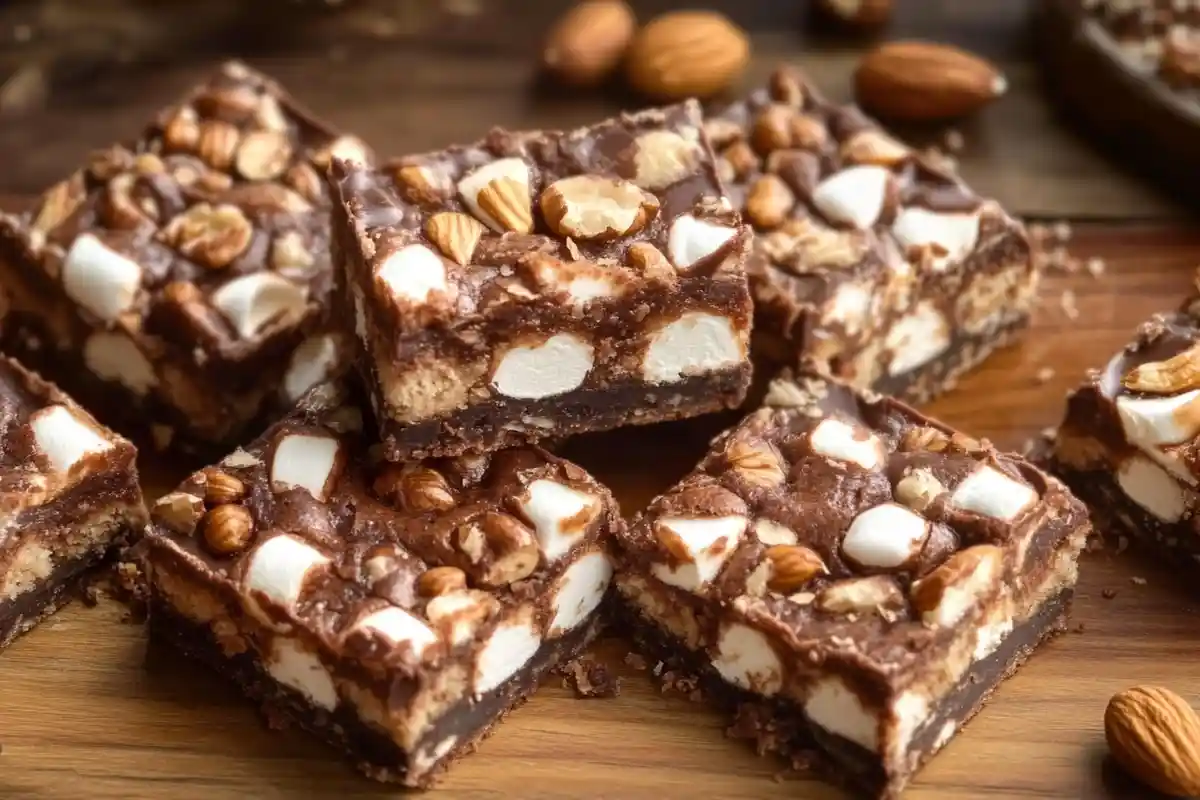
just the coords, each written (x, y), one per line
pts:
(395, 562)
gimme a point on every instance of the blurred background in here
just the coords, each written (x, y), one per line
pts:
(409, 75)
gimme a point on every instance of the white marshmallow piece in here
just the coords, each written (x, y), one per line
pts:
(851, 305)
(693, 344)
(1150, 422)
(692, 240)
(746, 659)
(254, 301)
(473, 183)
(305, 461)
(1152, 488)
(709, 544)
(412, 273)
(298, 669)
(916, 339)
(579, 591)
(832, 705)
(64, 438)
(582, 291)
(960, 597)
(100, 279)
(853, 196)
(278, 569)
(312, 362)
(885, 537)
(833, 438)
(400, 628)
(558, 365)
(956, 234)
(559, 515)
(991, 493)
(510, 647)
(114, 357)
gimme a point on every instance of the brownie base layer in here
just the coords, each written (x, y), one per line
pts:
(373, 752)
(917, 386)
(487, 427)
(780, 726)
(25, 611)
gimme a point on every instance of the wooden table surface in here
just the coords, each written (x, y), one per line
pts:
(87, 710)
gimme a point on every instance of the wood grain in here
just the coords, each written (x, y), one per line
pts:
(429, 79)
(86, 709)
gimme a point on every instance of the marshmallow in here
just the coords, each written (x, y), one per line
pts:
(991, 493)
(559, 514)
(693, 344)
(254, 301)
(64, 438)
(306, 461)
(692, 240)
(99, 279)
(833, 438)
(558, 365)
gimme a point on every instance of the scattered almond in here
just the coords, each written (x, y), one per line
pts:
(1155, 736)
(587, 44)
(925, 81)
(507, 201)
(684, 54)
(455, 234)
(792, 566)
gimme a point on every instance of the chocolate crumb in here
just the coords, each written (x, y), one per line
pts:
(589, 679)
(1138, 581)
(1108, 594)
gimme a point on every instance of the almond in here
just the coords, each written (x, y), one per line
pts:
(441, 580)
(587, 44)
(1155, 736)
(1178, 373)
(455, 234)
(756, 463)
(221, 488)
(792, 566)
(507, 201)
(687, 54)
(228, 530)
(924, 81)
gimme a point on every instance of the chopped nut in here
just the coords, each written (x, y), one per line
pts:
(514, 549)
(591, 207)
(217, 144)
(792, 566)
(924, 438)
(874, 147)
(506, 200)
(441, 580)
(228, 529)
(918, 489)
(59, 203)
(221, 487)
(182, 131)
(213, 235)
(663, 158)
(756, 464)
(415, 185)
(772, 129)
(414, 488)
(304, 179)
(650, 261)
(179, 512)
(455, 234)
(769, 202)
(263, 155)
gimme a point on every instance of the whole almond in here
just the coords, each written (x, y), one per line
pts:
(687, 54)
(922, 81)
(587, 44)
(792, 566)
(1155, 736)
(455, 234)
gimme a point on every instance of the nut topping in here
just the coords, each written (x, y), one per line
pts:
(1155, 736)
(217, 144)
(263, 155)
(455, 234)
(441, 580)
(792, 566)
(925, 438)
(506, 200)
(918, 489)
(756, 464)
(414, 488)
(873, 147)
(860, 595)
(596, 208)
(415, 185)
(213, 235)
(1178, 373)
(179, 511)
(182, 131)
(228, 529)
(769, 201)
(513, 547)
(650, 261)
(221, 488)
(59, 203)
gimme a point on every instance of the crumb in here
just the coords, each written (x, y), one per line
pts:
(1095, 544)
(1138, 581)
(1078, 628)
(635, 661)
(589, 679)
(1095, 267)
(1045, 375)
(1122, 544)
(954, 141)
(1108, 594)
(1067, 303)
(90, 594)
(1061, 231)
(1038, 232)
(658, 669)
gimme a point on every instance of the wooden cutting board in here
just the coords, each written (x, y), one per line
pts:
(88, 710)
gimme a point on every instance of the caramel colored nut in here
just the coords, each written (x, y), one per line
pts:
(213, 235)
(924, 438)
(687, 54)
(182, 131)
(918, 489)
(1179, 373)
(221, 488)
(414, 488)
(263, 155)
(1155, 736)
(925, 81)
(772, 129)
(217, 143)
(507, 201)
(650, 261)
(455, 234)
(441, 580)
(179, 512)
(595, 208)
(514, 550)
(873, 147)
(769, 202)
(59, 203)
(414, 184)
(792, 566)
(228, 529)
(757, 464)
(587, 44)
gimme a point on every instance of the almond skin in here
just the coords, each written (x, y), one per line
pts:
(687, 54)
(587, 44)
(922, 81)
(1155, 736)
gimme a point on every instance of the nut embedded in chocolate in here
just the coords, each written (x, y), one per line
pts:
(228, 529)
